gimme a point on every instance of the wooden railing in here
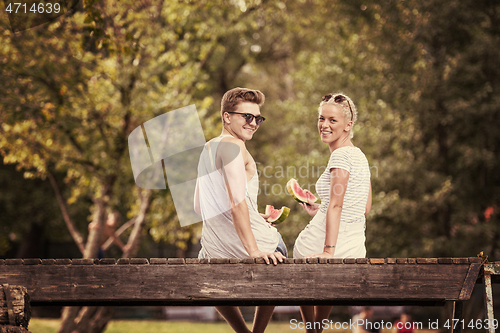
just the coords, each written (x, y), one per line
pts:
(176, 281)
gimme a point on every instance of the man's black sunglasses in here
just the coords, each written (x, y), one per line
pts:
(338, 99)
(249, 117)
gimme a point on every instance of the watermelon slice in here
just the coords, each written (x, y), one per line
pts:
(298, 193)
(277, 215)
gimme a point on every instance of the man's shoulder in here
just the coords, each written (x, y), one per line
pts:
(230, 148)
(232, 139)
(230, 143)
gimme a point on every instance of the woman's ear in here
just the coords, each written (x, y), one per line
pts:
(348, 126)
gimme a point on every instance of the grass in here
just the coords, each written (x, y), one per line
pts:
(162, 326)
(38, 325)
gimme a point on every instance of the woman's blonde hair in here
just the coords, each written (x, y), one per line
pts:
(348, 108)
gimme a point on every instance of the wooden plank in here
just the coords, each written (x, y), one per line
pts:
(82, 261)
(238, 283)
(139, 261)
(32, 261)
(123, 261)
(361, 260)
(377, 261)
(176, 261)
(445, 261)
(391, 261)
(470, 281)
(475, 260)
(460, 260)
(63, 261)
(249, 261)
(219, 260)
(427, 261)
(335, 260)
(107, 261)
(159, 261)
(48, 261)
(190, 261)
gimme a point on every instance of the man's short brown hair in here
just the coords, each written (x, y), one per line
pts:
(233, 97)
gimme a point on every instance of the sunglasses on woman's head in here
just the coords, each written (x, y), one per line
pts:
(249, 117)
(338, 99)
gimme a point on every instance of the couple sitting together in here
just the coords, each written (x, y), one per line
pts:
(228, 184)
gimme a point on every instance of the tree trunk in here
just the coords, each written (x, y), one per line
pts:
(95, 319)
(92, 246)
(77, 237)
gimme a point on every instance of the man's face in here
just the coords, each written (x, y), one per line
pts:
(238, 123)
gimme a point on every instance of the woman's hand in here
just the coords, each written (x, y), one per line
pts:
(321, 255)
(311, 207)
(328, 252)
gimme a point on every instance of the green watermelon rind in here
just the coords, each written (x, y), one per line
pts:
(285, 211)
(295, 195)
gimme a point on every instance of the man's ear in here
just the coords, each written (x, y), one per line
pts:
(225, 118)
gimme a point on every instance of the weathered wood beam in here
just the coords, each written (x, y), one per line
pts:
(175, 281)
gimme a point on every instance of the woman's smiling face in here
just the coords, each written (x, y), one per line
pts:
(332, 124)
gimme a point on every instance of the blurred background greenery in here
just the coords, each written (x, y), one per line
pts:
(425, 76)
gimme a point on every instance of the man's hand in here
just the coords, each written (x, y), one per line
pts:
(275, 257)
(265, 217)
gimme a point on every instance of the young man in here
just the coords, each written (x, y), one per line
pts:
(226, 198)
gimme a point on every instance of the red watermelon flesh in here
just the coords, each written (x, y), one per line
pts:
(277, 215)
(298, 193)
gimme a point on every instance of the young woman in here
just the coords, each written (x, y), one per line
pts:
(337, 229)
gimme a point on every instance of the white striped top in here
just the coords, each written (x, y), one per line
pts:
(352, 160)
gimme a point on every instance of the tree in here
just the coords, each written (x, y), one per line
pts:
(75, 90)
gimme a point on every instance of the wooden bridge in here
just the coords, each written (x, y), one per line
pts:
(186, 282)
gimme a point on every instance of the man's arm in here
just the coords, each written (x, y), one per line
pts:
(197, 199)
(233, 170)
